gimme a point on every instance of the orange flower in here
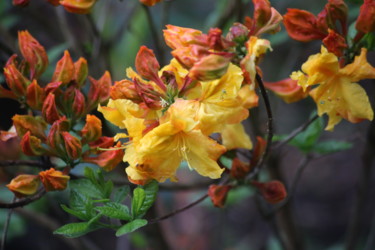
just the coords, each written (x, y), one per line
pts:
(73, 146)
(54, 180)
(287, 89)
(24, 185)
(80, 71)
(92, 129)
(107, 160)
(36, 125)
(49, 109)
(64, 71)
(32, 145)
(35, 96)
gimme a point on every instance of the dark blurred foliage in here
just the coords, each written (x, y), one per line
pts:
(323, 204)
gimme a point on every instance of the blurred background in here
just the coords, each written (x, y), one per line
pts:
(326, 210)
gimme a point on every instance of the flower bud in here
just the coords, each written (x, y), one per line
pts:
(337, 11)
(211, 67)
(78, 6)
(149, 2)
(216, 41)
(125, 89)
(239, 169)
(54, 138)
(15, 80)
(64, 71)
(78, 104)
(262, 12)
(147, 65)
(5, 93)
(24, 185)
(238, 32)
(335, 43)
(81, 71)
(32, 145)
(34, 53)
(24, 123)
(102, 142)
(52, 87)
(92, 130)
(366, 21)
(49, 109)
(35, 96)
(20, 3)
(218, 194)
(73, 146)
(272, 191)
(99, 89)
(107, 160)
(287, 89)
(53, 180)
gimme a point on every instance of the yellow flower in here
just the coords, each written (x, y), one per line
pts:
(337, 95)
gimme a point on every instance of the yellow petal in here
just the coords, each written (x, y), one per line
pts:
(359, 69)
(112, 114)
(234, 136)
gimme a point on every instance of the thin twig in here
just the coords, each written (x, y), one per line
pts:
(24, 201)
(164, 217)
(6, 227)
(30, 163)
(295, 132)
(267, 103)
(155, 35)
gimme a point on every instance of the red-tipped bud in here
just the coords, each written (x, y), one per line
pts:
(335, 43)
(147, 65)
(24, 185)
(216, 41)
(366, 21)
(149, 2)
(262, 12)
(64, 71)
(125, 89)
(35, 96)
(53, 180)
(218, 194)
(287, 89)
(210, 67)
(49, 109)
(78, 104)
(81, 71)
(32, 145)
(239, 169)
(24, 123)
(78, 6)
(20, 3)
(52, 87)
(302, 26)
(238, 32)
(54, 138)
(15, 80)
(99, 89)
(107, 160)
(272, 191)
(102, 142)
(73, 146)
(33, 52)
(92, 130)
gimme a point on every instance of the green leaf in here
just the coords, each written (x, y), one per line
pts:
(329, 147)
(131, 227)
(138, 198)
(85, 186)
(79, 214)
(108, 187)
(151, 190)
(73, 230)
(121, 193)
(115, 210)
(81, 203)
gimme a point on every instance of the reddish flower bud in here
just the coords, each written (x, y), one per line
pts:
(81, 71)
(239, 169)
(102, 142)
(73, 146)
(216, 41)
(210, 67)
(92, 129)
(64, 71)
(20, 3)
(78, 104)
(54, 138)
(218, 194)
(99, 89)
(366, 21)
(147, 65)
(107, 160)
(49, 109)
(335, 43)
(52, 87)
(149, 2)
(149, 96)
(78, 6)
(262, 12)
(4, 93)
(15, 80)
(54, 180)
(238, 31)
(35, 96)
(24, 123)
(32, 145)
(272, 191)
(302, 26)
(287, 89)
(34, 53)
(336, 11)
(125, 89)
(24, 185)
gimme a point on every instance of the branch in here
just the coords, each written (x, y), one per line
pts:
(164, 217)
(295, 132)
(6, 228)
(267, 103)
(30, 163)
(24, 201)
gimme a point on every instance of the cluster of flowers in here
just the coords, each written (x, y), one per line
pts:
(54, 126)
